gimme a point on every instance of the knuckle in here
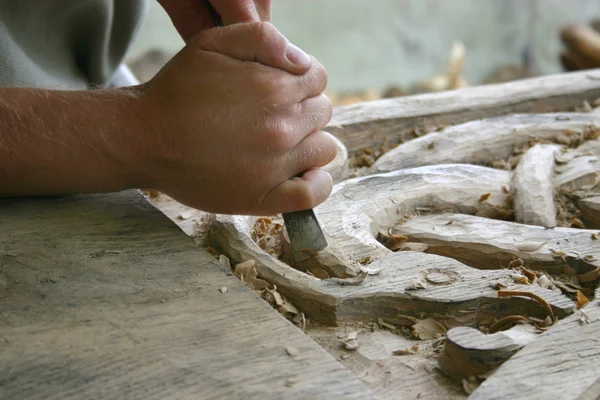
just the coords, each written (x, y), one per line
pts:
(263, 31)
(276, 136)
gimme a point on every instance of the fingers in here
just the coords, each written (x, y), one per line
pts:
(188, 16)
(316, 150)
(236, 11)
(260, 42)
(299, 193)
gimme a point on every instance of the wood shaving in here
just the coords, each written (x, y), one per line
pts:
(514, 264)
(290, 383)
(354, 281)
(224, 260)
(518, 278)
(541, 301)
(428, 329)
(577, 223)
(595, 236)
(185, 215)
(589, 276)
(370, 271)
(529, 246)
(351, 345)
(319, 273)
(584, 317)
(292, 351)
(419, 283)
(384, 324)
(507, 322)
(485, 197)
(581, 300)
(403, 352)
(246, 272)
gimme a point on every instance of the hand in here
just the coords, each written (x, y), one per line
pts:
(192, 16)
(233, 126)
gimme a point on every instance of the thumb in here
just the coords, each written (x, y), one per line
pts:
(299, 193)
(255, 41)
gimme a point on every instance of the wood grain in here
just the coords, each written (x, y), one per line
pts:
(371, 124)
(104, 297)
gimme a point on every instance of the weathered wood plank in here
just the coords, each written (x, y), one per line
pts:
(370, 124)
(563, 363)
(104, 297)
(482, 141)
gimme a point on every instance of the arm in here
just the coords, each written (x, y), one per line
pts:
(217, 129)
(60, 142)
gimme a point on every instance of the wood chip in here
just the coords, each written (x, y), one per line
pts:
(581, 300)
(223, 290)
(290, 383)
(185, 215)
(403, 352)
(351, 345)
(278, 299)
(385, 324)
(584, 317)
(577, 223)
(485, 197)
(428, 329)
(224, 260)
(516, 263)
(589, 276)
(419, 283)
(352, 335)
(292, 351)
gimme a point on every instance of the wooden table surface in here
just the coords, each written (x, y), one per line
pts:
(103, 297)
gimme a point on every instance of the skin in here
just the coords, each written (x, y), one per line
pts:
(232, 124)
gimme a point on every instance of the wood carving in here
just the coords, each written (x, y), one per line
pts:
(483, 229)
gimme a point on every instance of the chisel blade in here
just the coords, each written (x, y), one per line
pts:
(306, 235)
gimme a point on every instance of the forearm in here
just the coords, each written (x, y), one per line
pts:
(65, 142)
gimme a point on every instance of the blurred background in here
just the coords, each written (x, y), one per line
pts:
(387, 48)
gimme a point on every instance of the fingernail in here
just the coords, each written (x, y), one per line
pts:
(297, 56)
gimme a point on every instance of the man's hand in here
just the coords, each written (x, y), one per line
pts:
(192, 16)
(226, 133)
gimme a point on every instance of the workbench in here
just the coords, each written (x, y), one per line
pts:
(103, 297)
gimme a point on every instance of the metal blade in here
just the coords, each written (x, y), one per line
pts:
(305, 233)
